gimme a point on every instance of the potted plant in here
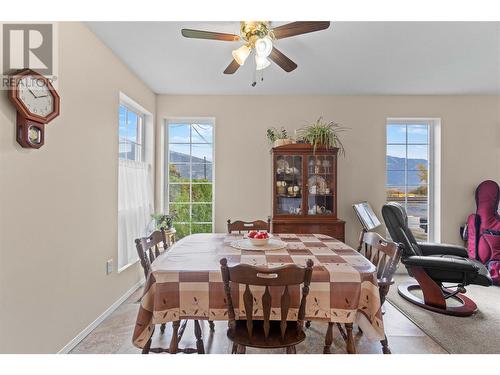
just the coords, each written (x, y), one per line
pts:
(278, 137)
(322, 133)
(164, 221)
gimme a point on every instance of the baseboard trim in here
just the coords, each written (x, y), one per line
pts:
(70, 345)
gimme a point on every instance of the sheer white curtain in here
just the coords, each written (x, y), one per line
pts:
(135, 205)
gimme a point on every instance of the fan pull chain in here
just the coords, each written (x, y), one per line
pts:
(258, 75)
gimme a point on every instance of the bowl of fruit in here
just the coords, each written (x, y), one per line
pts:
(258, 238)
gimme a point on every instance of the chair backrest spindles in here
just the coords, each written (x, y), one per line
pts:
(375, 257)
(148, 249)
(385, 255)
(285, 306)
(248, 301)
(227, 290)
(368, 252)
(305, 292)
(381, 266)
(266, 308)
(283, 276)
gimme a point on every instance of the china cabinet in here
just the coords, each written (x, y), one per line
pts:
(305, 190)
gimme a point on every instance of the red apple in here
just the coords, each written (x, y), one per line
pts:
(252, 234)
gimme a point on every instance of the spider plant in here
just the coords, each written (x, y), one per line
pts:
(323, 133)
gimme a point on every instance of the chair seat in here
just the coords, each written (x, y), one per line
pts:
(483, 277)
(293, 335)
(456, 266)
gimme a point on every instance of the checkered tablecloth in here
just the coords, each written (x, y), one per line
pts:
(185, 283)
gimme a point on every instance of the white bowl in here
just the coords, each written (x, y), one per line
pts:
(259, 242)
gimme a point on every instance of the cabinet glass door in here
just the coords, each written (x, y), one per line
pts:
(288, 189)
(320, 185)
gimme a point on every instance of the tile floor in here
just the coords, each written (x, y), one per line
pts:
(114, 335)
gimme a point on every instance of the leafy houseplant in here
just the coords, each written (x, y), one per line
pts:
(322, 133)
(278, 137)
(163, 220)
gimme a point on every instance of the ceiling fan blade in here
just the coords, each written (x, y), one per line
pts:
(299, 27)
(284, 62)
(232, 67)
(200, 34)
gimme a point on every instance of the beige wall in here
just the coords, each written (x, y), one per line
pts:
(58, 205)
(470, 147)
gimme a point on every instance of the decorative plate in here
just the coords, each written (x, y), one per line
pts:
(245, 244)
(281, 166)
(318, 181)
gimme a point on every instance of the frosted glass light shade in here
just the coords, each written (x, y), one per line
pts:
(264, 46)
(241, 54)
(261, 62)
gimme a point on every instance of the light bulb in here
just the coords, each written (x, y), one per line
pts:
(261, 62)
(241, 54)
(264, 46)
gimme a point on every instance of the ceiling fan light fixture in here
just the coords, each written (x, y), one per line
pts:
(261, 62)
(264, 46)
(241, 54)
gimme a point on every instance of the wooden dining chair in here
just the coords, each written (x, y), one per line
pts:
(266, 334)
(246, 226)
(148, 249)
(385, 255)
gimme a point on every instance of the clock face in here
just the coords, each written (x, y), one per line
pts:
(36, 96)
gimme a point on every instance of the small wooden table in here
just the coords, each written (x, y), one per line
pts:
(185, 283)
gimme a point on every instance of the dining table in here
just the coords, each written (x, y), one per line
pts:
(185, 283)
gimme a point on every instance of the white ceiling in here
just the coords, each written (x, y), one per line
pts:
(350, 58)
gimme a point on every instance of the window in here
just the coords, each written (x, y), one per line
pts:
(410, 169)
(135, 186)
(131, 134)
(190, 180)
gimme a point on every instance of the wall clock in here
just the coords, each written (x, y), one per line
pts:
(37, 103)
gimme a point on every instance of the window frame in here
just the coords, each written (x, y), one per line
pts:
(434, 169)
(166, 198)
(141, 136)
(146, 138)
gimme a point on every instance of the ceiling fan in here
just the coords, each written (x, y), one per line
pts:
(259, 36)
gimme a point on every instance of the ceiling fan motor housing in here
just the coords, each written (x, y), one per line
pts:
(252, 30)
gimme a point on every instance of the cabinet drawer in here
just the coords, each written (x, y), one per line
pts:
(335, 229)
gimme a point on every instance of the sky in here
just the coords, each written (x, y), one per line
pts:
(127, 124)
(417, 136)
(201, 135)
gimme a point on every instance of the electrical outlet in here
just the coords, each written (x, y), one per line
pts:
(109, 266)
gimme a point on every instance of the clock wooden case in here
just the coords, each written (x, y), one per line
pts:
(305, 190)
(37, 103)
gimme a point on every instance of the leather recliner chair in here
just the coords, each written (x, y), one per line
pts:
(432, 265)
